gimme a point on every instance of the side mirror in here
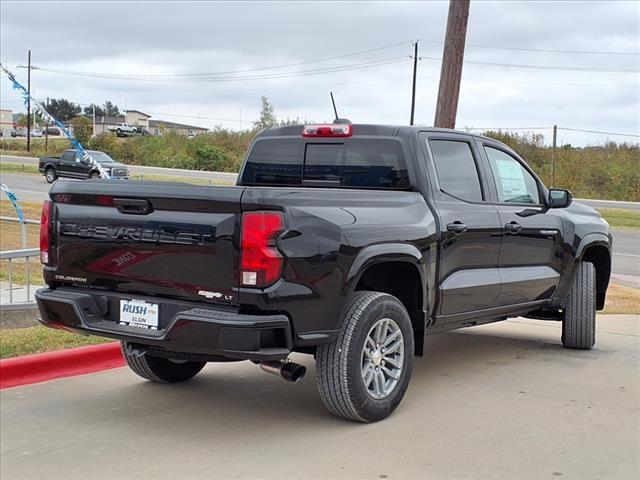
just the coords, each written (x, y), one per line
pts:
(559, 198)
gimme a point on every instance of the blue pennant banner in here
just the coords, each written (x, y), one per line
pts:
(81, 153)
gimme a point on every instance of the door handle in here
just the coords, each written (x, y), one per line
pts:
(457, 227)
(512, 227)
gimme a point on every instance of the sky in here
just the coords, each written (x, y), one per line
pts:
(527, 64)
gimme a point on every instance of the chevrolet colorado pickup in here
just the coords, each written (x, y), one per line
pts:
(67, 165)
(346, 242)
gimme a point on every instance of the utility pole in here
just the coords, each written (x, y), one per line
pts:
(553, 156)
(452, 57)
(93, 108)
(415, 72)
(46, 130)
(29, 102)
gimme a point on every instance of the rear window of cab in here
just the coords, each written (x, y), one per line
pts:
(350, 163)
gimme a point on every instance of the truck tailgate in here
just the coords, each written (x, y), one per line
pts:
(151, 238)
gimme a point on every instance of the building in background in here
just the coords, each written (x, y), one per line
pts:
(143, 120)
(137, 118)
(103, 124)
(160, 127)
(6, 122)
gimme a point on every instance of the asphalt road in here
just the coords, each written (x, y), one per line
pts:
(626, 252)
(502, 401)
(138, 170)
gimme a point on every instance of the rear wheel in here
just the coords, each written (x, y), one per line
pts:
(579, 324)
(364, 374)
(157, 369)
(50, 175)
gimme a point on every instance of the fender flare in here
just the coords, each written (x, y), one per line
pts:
(590, 240)
(393, 252)
(382, 253)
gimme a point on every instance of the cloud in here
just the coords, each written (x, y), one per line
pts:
(164, 38)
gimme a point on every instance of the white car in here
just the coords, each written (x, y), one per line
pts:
(123, 129)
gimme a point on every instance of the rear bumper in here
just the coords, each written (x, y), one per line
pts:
(183, 326)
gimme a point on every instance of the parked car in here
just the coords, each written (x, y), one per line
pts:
(19, 132)
(36, 133)
(123, 129)
(141, 131)
(52, 131)
(67, 165)
(346, 242)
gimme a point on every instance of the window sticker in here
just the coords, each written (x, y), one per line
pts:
(511, 178)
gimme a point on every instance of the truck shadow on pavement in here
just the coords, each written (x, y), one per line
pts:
(240, 397)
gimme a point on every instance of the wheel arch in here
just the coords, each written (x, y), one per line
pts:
(598, 253)
(396, 269)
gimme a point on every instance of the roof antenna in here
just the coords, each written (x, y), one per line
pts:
(335, 110)
(337, 120)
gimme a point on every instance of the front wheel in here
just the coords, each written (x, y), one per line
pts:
(579, 324)
(157, 369)
(94, 175)
(50, 175)
(364, 374)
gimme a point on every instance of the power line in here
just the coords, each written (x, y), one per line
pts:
(267, 76)
(599, 132)
(507, 128)
(546, 67)
(545, 50)
(551, 128)
(214, 74)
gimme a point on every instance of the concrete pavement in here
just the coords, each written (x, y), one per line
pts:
(501, 401)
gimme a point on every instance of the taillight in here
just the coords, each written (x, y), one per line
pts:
(45, 231)
(338, 130)
(260, 261)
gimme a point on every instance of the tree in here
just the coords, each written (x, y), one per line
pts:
(88, 111)
(63, 110)
(82, 129)
(111, 110)
(267, 115)
(20, 120)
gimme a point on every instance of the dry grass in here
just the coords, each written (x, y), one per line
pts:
(622, 299)
(11, 236)
(31, 210)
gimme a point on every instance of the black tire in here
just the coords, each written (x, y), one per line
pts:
(50, 175)
(579, 324)
(94, 175)
(159, 370)
(339, 365)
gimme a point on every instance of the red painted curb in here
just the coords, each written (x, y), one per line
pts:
(41, 367)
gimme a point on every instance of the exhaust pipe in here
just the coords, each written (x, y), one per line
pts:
(290, 371)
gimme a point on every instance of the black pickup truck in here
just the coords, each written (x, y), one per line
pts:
(346, 242)
(67, 165)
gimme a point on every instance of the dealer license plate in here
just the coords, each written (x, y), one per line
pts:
(138, 313)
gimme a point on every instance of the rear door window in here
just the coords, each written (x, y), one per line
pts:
(456, 169)
(354, 163)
